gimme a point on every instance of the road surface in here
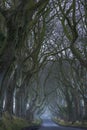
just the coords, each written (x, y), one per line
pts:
(49, 125)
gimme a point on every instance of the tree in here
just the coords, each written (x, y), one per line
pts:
(22, 20)
(71, 15)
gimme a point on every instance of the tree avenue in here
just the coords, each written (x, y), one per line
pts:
(43, 58)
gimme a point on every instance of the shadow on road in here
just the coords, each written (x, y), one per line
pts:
(51, 128)
(32, 128)
(42, 128)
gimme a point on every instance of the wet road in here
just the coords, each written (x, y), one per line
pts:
(49, 125)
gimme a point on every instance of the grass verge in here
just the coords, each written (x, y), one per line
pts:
(69, 123)
(15, 123)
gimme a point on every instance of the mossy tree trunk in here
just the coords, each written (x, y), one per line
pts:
(7, 58)
(9, 102)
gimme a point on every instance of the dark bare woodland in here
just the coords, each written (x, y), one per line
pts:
(43, 59)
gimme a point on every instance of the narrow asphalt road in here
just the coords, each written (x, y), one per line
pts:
(50, 125)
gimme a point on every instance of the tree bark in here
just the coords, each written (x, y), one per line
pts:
(85, 106)
(9, 97)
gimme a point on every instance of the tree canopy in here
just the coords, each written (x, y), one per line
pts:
(43, 58)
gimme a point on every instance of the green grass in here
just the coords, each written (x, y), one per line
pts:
(36, 122)
(69, 123)
(15, 123)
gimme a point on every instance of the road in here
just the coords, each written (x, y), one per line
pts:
(49, 125)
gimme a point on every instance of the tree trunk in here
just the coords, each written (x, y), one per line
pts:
(85, 106)
(9, 98)
(76, 102)
(6, 59)
(2, 93)
(69, 104)
(18, 104)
